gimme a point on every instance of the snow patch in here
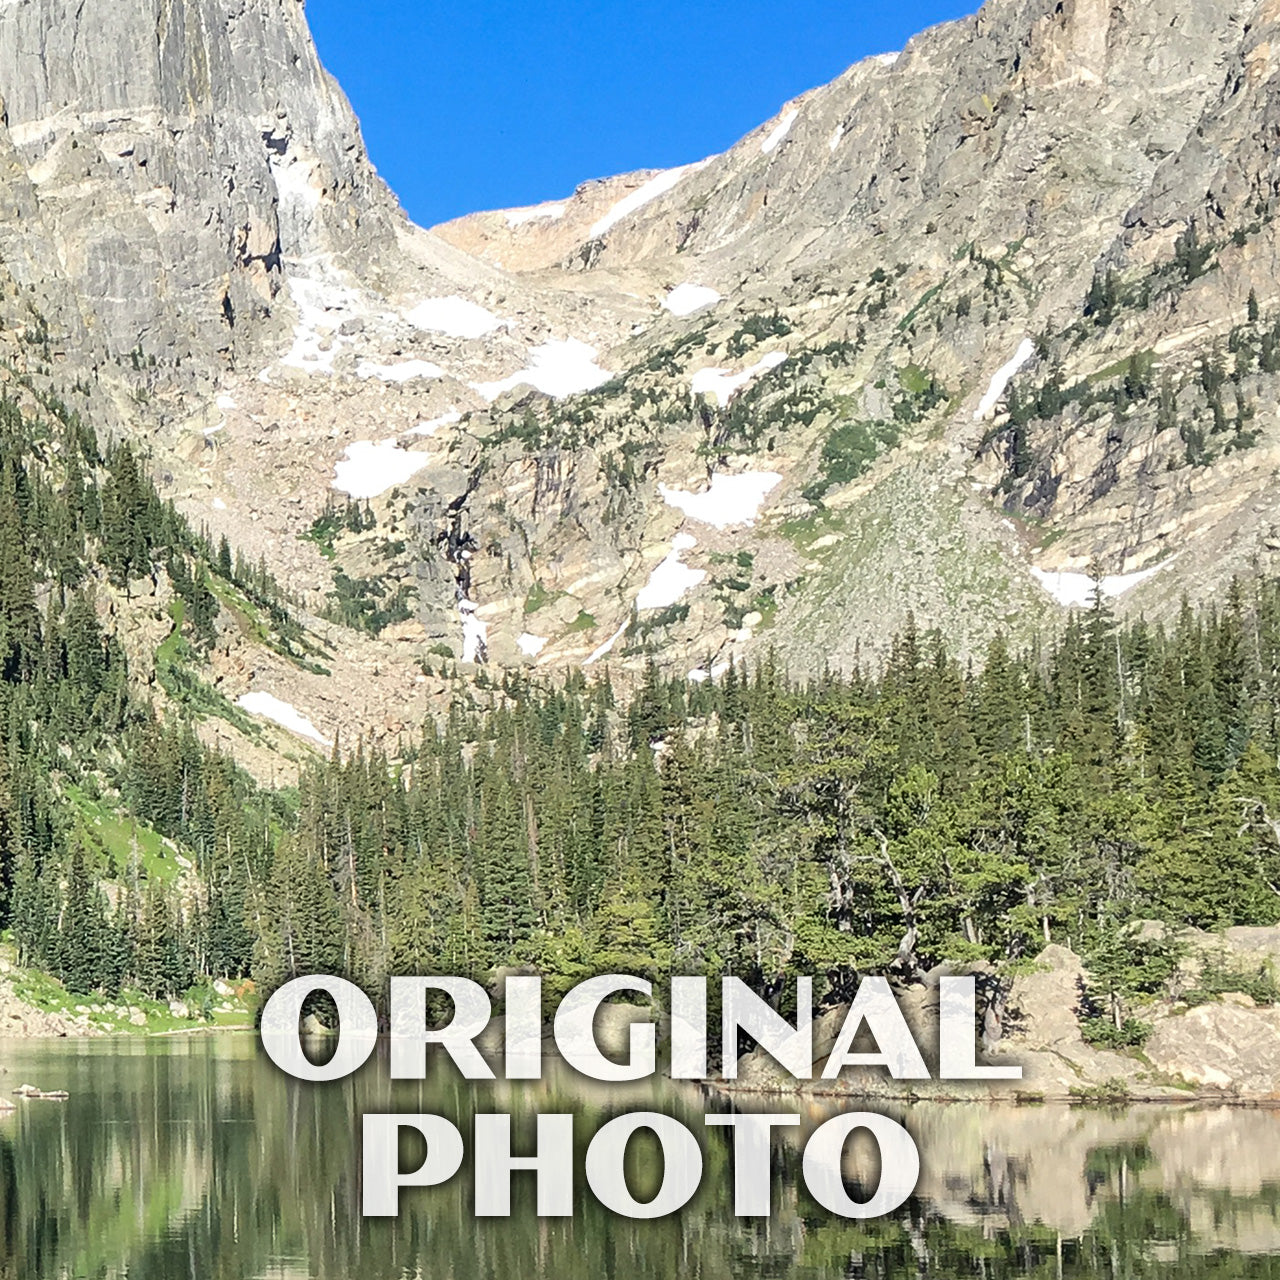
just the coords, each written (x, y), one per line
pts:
(475, 634)
(657, 186)
(1075, 590)
(535, 213)
(672, 578)
(729, 500)
(432, 425)
(225, 402)
(685, 299)
(725, 385)
(219, 505)
(322, 307)
(294, 188)
(885, 59)
(834, 140)
(700, 675)
(405, 371)
(1001, 379)
(605, 648)
(556, 369)
(667, 584)
(455, 317)
(778, 132)
(369, 469)
(531, 645)
(269, 707)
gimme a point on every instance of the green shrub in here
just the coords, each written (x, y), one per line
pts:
(366, 604)
(1103, 1033)
(850, 449)
(1218, 977)
(1109, 1092)
(758, 328)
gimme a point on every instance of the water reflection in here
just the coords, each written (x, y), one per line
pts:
(196, 1158)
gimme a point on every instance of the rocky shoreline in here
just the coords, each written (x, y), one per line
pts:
(1225, 1050)
(33, 1006)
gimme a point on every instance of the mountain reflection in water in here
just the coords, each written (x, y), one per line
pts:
(196, 1158)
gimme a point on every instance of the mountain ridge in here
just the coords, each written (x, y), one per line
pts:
(879, 250)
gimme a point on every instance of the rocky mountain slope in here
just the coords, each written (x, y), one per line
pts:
(944, 337)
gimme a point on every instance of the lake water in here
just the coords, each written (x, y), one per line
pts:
(195, 1158)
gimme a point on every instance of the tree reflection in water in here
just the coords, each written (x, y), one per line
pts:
(197, 1159)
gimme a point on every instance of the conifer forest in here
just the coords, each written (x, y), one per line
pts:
(914, 811)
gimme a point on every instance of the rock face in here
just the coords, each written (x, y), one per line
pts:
(955, 327)
(545, 235)
(180, 151)
(917, 221)
(1043, 1038)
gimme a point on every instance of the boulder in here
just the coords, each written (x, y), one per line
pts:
(613, 1027)
(1224, 1046)
(312, 1026)
(1042, 1004)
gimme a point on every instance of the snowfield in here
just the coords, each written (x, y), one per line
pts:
(669, 582)
(534, 213)
(779, 132)
(269, 707)
(557, 369)
(1075, 590)
(1001, 379)
(454, 317)
(729, 500)
(432, 425)
(531, 645)
(657, 186)
(700, 675)
(293, 184)
(685, 299)
(369, 469)
(725, 385)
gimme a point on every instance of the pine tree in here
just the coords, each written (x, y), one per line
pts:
(129, 519)
(19, 617)
(224, 568)
(81, 928)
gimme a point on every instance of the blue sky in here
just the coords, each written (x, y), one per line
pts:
(484, 104)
